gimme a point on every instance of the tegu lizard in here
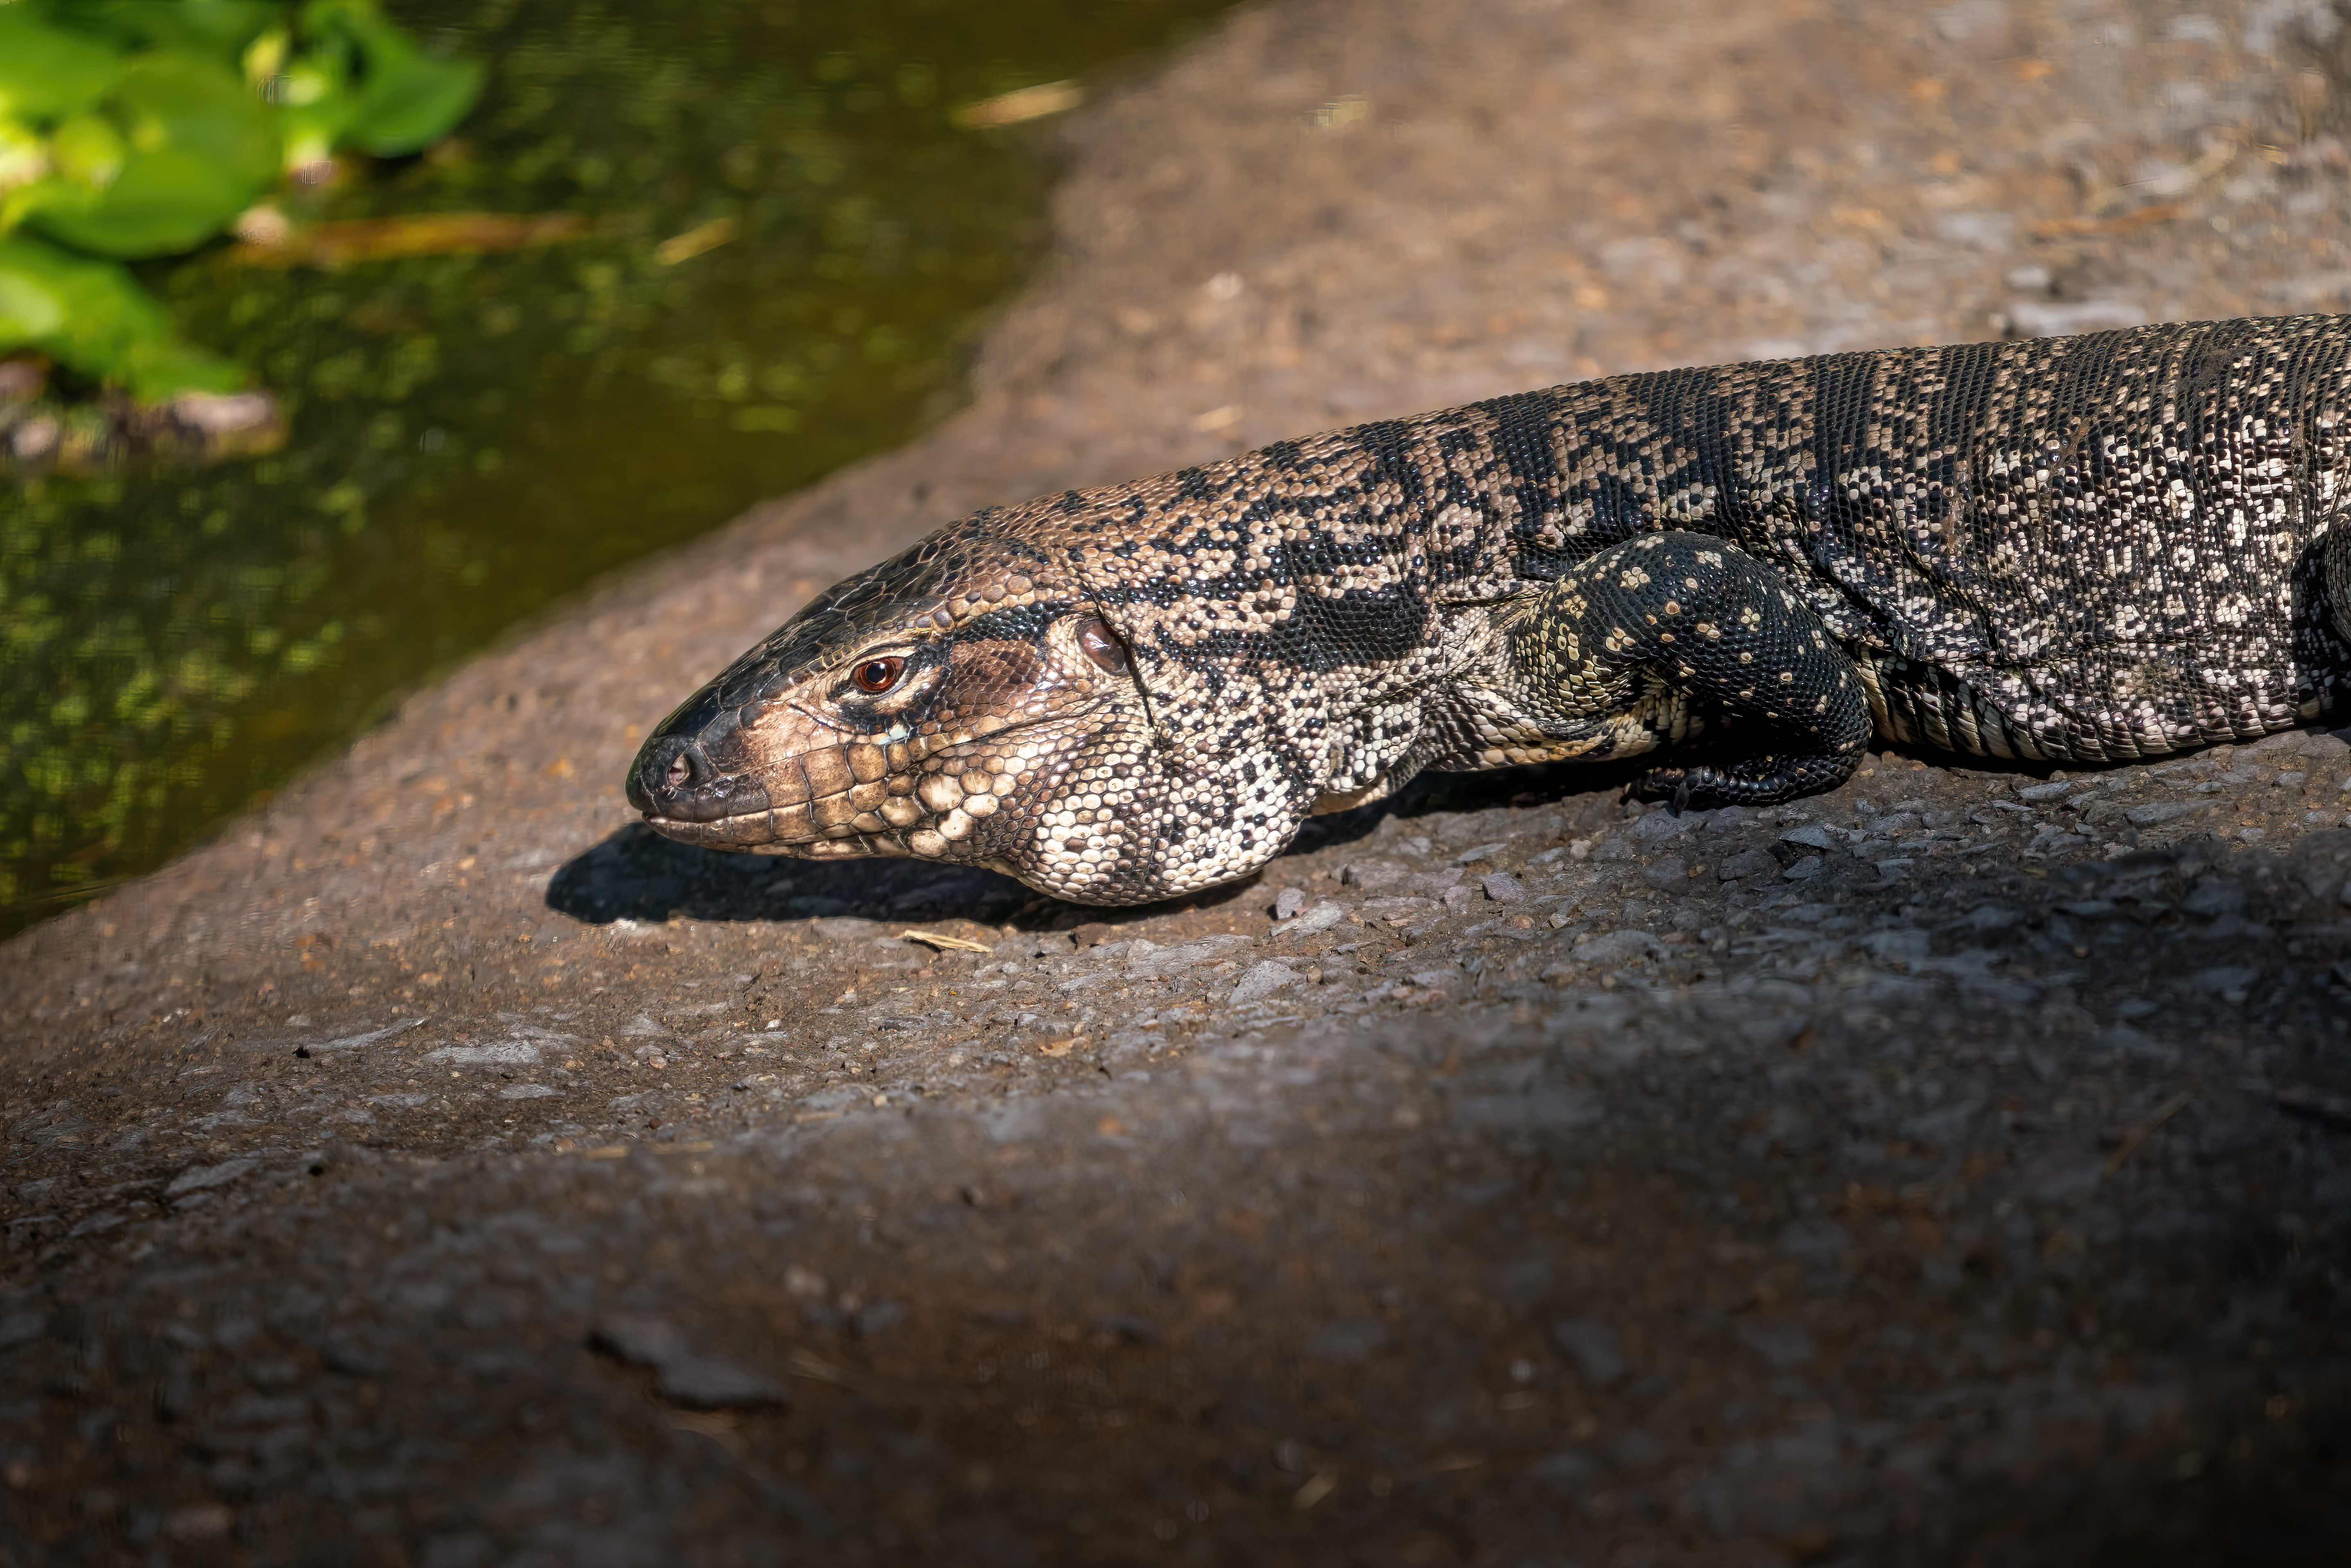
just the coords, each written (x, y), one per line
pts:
(2078, 549)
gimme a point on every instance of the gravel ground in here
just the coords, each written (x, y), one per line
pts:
(1956, 1169)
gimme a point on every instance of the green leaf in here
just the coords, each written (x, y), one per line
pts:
(51, 193)
(88, 150)
(94, 317)
(24, 156)
(407, 100)
(45, 71)
(220, 28)
(200, 150)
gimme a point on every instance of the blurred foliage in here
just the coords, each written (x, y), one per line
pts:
(785, 243)
(143, 128)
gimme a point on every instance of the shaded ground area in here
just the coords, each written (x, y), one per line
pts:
(1954, 1169)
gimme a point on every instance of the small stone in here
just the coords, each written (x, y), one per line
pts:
(2165, 811)
(1745, 863)
(699, 1383)
(2038, 793)
(1656, 827)
(1784, 1346)
(1322, 918)
(201, 1178)
(2213, 897)
(1592, 1346)
(2061, 1176)
(875, 1316)
(1813, 1240)
(1483, 852)
(2273, 748)
(846, 928)
(18, 1327)
(1371, 875)
(1668, 873)
(1811, 835)
(1290, 902)
(696, 1381)
(640, 1338)
(1262, 981)
(1346, 1339)
(2231, 980)
(1810, 865)
(1504, 888)
(1772, 1033)
(1617, 947)
(1457, 898)
(199, 1520)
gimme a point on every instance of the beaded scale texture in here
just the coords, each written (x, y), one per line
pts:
(2078, 549)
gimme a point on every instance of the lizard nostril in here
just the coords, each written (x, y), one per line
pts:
(687, 768)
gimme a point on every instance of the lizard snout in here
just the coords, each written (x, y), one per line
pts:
(674, 779)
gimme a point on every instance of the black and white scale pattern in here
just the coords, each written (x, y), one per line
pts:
(2079, 549)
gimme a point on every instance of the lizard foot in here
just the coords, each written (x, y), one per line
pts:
(1750, 781)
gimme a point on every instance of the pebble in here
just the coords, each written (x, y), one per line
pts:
(682, 1377)
(1262, 981)
(1656, 827)
(2165, 811)
(1747, 863)
(846, 928)
(1322, 918)
(1617, 947)
(1813, 1240)
(21, 1327)
(1346, 1339)
(1783, 1346)
(201, 1178)
(1165, 961)
(1504, 888)
(1290, 902)
(504, 1053)
(1592, 1346)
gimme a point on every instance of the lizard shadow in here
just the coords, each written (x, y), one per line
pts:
(634, 873)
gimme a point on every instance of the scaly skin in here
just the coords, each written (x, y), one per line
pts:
(2077, 549)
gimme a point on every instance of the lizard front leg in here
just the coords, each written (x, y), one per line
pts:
(1672, 632)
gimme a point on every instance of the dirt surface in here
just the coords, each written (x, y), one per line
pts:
(1955, 1168)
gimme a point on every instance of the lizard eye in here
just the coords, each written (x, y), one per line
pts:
(1101, 645)
(878, 676)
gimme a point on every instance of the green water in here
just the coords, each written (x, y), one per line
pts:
(473, 436)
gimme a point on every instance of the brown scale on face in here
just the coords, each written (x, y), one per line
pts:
(1003, 728)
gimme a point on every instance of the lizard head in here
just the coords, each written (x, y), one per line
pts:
(963, 702)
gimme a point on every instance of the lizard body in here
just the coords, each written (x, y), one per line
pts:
(2078, 549)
